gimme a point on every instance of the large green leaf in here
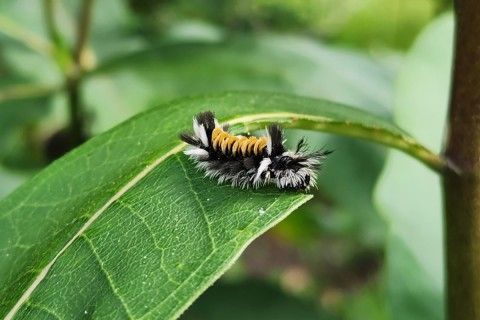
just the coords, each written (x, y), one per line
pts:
(124, 226)
(412, 202)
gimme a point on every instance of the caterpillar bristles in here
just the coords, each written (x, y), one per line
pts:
(248, 161)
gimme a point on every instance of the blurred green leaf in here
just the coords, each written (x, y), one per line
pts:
(25, 91)
(114, 31)
(19, 147)
(367, 23)
(9, 181)
(22, 20)
(23, 102)
(411, 291)
(28, 33)
(38, 69)
(253, 300)
(412, 202)
(268, 62)
(117, 190)
(347, 188)
(369, 304)
(14, 32)
(363, 163)
(386, 23)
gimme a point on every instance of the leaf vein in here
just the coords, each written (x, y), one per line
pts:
(200, 204)
(44, 309)
(107, 276)
(152, 235)
(207, 259)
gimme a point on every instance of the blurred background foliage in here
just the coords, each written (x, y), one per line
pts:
(349, 253)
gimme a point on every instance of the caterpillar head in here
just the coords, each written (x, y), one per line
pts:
(296, 170)
(290, 169)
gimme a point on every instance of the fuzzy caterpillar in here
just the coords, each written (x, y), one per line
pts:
(248, 161)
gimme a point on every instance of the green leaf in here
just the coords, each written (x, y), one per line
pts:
(124, 226)
(24, 26)
(251, 300)
(386, 23)
(370, 304)
(25, 91)
(124, 86)
(19, 114)
(346, 189)
(412, 203)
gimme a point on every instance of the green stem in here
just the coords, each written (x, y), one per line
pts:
(77, 130)
(462, 192)
(70, 62)
(49, 14)
(60, 51)
(74, 81)
(83, 30)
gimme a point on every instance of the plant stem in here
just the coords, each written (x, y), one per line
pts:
(49, 12)
(71, 63)
(59, 49)
(83, 30)
(74, 79)
(462, 191)
(77, 131)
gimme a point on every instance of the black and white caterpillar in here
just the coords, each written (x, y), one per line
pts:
(249, 161)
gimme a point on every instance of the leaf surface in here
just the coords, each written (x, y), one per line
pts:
(125, 227)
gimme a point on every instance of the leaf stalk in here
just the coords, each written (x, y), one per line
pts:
(372, 133)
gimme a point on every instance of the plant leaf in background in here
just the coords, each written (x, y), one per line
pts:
(265, 62)
(393, 22)
(412, 202)
(28, 53)
(125, 226)
(339, 235)
(251, 300)
(17, 122)
(10, 180)
(366, 24)
(28, 81)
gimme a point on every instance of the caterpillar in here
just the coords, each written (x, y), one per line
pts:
(249, 161)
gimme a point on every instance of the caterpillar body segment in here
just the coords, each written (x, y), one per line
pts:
(237, 146)
(249, 161)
